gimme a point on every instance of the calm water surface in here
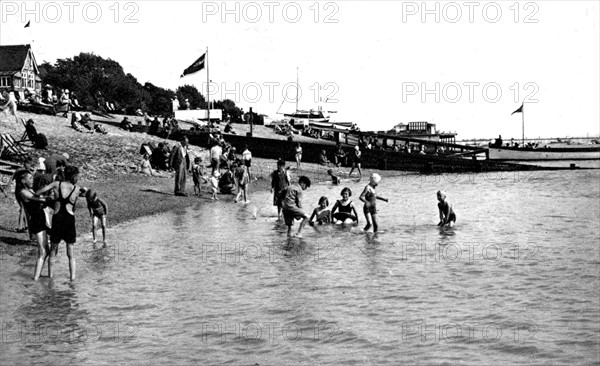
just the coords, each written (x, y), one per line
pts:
(516, 282)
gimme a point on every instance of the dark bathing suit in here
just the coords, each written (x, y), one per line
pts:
(63, 223)
(98, 209)
(36, 219)
(344, 212)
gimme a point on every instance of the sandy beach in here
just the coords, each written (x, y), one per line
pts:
(107, 164)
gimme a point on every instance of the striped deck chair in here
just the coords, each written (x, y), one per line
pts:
(7, 171)
(11, 148)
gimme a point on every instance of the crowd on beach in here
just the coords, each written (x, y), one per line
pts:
(47, 191)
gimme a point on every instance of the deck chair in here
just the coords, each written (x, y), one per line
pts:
(7, 171)
(12, 148)
(26, 138)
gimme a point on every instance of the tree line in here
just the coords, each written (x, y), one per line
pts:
(87, 74)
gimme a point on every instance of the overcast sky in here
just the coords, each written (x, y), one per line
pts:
(376, 63)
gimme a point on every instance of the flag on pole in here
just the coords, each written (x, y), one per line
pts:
(520, 110)
(195, 67)
(28, 24)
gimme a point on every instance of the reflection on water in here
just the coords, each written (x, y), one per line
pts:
(515, 282)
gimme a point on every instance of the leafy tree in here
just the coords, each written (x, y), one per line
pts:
(193, 96)
(87, 74)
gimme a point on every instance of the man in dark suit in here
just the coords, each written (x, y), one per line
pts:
(180, 162)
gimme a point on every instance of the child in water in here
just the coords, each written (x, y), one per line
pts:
(346, 212)
(447, 215)
(321, 213)
(369, 197)
(98, 212)
(292, 205)
(334, 178)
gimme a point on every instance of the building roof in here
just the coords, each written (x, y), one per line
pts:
(13, 57)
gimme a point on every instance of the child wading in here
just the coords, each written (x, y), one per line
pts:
(292, 205)
(98, 212)
(242, 179)
(369, 197)
(280, 180)
(447, 215)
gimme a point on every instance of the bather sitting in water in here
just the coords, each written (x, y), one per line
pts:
(346, 212)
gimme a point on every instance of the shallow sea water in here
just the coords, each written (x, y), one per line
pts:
(515, 282)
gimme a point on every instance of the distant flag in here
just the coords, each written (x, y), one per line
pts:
(195, 67)
(520, 110)
(28, 24)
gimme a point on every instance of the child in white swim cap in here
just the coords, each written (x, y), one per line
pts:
(369, 197)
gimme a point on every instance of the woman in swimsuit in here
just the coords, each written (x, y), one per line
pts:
(346, 212)
(36, 219)
(63, 221)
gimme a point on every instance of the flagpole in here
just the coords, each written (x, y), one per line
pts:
(207, 89)
(523, 120)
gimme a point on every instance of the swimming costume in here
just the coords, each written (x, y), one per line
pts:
(97, 209)
(63, 222)
(36, 219)
(344, 212)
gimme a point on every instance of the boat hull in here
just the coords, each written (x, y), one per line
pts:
(581, 153)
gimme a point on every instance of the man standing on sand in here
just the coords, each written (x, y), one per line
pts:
(180, 161)
(215, 157)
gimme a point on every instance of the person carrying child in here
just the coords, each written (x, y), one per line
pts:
(447, 215)
(321, 213)
(369, 197)
(98, 212)
(292, 205)
(346, 212)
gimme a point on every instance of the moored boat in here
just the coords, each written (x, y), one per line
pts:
(545, 153)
